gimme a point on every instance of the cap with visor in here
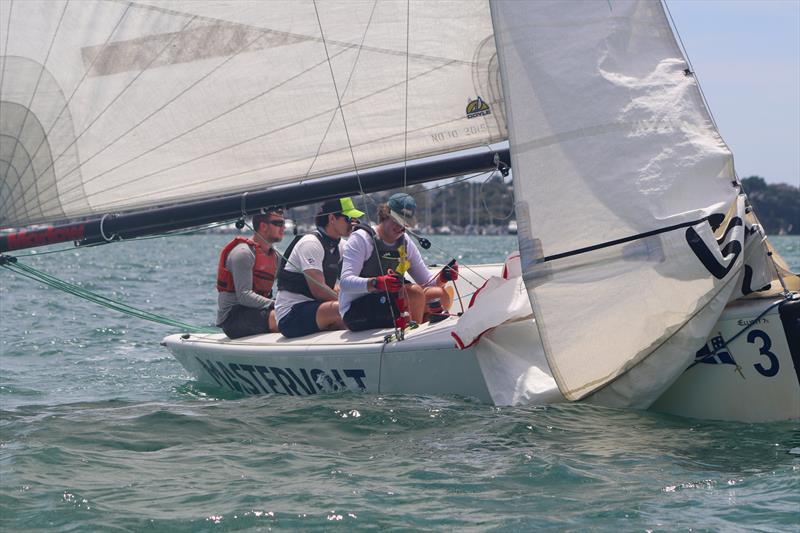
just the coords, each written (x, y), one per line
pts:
(344, 206)
(402, 209)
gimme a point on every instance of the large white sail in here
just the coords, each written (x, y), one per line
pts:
(109, 105)
(610, 139)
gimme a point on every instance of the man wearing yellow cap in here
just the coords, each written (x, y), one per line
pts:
(307, 299)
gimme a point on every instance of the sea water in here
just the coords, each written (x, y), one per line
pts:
(102, 430)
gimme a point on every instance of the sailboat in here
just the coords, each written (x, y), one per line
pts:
(643, 277)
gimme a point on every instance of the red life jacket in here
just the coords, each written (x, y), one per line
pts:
(263, 270)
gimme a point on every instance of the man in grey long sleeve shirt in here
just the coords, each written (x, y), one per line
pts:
(245, 275)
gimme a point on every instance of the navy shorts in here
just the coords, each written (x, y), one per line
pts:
(371, 311)
(301, 320)
(246, 321)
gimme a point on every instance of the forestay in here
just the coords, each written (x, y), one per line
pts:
(610, 138)
(113, 105)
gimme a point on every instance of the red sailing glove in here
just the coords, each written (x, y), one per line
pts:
(387, 283)
(449, 272)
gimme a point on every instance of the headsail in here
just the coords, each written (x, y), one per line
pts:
(111, 105)
(611, 142)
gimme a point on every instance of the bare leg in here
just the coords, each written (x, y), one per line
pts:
(415, 298)
(432, 293)
(328, 317)
(272, 322)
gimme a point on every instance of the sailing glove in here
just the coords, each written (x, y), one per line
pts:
(449, 272)
(387, 283)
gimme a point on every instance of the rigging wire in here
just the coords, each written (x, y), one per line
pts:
(405, 126)
(346, 86)
(691, 67)
(486, 207)
(398, 332)
(736, 182)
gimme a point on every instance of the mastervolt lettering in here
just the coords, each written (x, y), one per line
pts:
(291, 381)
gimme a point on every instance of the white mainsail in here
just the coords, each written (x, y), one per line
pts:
(610, 138)
(113, 105)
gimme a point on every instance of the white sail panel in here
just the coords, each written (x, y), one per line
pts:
(610, 139)
(117, 105)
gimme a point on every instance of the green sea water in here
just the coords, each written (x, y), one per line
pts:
(102, 430)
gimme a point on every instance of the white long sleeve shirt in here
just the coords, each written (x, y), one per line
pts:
(357, 251)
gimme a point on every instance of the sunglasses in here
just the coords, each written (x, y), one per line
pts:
(278, 223)
(347, 218)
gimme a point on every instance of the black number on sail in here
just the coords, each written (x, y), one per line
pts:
(704, 254)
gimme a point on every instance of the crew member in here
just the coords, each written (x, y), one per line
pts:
(245, 275)
(372, 258)
(307, 299)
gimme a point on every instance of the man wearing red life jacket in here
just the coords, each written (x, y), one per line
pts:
(245, 275)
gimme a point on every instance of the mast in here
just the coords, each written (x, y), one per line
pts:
(117, 226)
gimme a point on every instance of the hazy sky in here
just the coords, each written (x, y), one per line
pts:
(746, 54)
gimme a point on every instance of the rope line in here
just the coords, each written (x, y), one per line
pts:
(405, 126)
(115, 305)
(346, 86)
(398, 332)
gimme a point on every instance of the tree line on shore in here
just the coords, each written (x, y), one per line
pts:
(777, 205)
(470, 206)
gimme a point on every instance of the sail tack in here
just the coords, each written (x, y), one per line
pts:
(110, 105)
(610, 139)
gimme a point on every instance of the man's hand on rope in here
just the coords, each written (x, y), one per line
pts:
(449, 272)
(388, 283)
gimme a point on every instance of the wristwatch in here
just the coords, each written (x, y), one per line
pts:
(373, 282)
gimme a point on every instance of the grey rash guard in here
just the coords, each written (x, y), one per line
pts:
(240, 263)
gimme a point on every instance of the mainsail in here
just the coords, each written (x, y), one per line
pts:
(621, 180)
(112, 105)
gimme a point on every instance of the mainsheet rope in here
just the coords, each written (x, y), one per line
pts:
(115, 305)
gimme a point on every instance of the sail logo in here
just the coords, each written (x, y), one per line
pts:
(477, 108)
(706, 256)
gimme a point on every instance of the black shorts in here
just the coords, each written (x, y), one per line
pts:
(371, 311)
(245, 321)
(301, 320)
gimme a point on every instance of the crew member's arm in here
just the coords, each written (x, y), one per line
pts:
(356, 251)
(240, 263)
(307, 257)
(418, 270)
(316, 282)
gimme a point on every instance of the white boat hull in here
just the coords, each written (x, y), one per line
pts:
(754, 378)
(764, 386)
(426, 363)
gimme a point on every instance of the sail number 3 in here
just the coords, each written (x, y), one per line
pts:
(717, 353)
(766, 344)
